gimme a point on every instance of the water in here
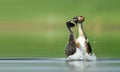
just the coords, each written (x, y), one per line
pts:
(59, 65)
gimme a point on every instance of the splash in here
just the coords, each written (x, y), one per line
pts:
(81, 55)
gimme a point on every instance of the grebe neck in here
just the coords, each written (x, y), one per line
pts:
(81, 32)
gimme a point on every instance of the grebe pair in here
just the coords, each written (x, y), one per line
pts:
(78, 49)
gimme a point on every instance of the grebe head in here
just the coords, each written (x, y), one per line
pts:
(70, 23)
(79, 19)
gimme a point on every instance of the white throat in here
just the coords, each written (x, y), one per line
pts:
(81, 33)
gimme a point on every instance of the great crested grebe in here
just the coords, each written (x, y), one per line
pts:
(78, 48)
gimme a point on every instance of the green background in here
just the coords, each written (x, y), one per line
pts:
(36, 28)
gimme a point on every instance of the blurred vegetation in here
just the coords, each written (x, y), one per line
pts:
(36, 28)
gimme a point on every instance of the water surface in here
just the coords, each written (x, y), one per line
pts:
(59, 65)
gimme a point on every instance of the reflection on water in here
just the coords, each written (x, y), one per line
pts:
(81, 66)
(59, 65)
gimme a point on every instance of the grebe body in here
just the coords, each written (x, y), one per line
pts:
(78, 48)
